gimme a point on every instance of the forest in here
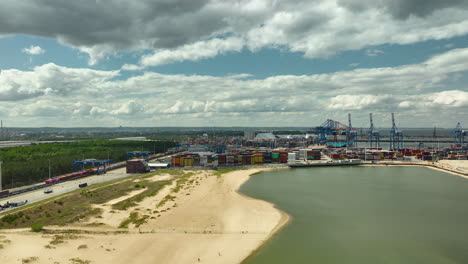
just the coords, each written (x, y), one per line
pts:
(30, 164)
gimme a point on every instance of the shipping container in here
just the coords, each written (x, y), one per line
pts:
(137, 166)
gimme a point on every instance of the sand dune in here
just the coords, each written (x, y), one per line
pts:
(206, 221)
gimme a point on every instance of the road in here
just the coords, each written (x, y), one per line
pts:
(64, 187)
(68, 186)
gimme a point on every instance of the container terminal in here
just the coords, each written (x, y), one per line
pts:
(330, 144)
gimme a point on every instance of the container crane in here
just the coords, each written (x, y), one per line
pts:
(459, 134)
(396, 136)
(373, 134)
(331, 129)
(351, 135)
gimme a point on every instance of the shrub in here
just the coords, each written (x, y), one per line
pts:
(37, 228)
(10, 218)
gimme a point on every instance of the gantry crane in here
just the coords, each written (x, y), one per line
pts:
(373, 134)
(396, 136)
(459, 134)
(331, 128)
(351, 135)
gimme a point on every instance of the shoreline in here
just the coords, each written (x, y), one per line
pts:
(434, 166)
(283, 222)
(210, 221)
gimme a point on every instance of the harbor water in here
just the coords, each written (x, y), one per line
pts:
(365, 215)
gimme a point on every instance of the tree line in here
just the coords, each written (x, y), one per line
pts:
(30, 164)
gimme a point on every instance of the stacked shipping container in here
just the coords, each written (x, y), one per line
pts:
(137, 166)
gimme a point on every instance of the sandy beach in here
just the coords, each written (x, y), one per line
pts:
(206, 221)
(454, 167)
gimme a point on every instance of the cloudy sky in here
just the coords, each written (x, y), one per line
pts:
(233, 62)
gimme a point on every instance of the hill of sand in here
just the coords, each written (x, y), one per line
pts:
(205, 220)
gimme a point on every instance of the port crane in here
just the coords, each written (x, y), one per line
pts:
(396, 136)
(459, 134)
(351, 135)
(94, 162)
(330, 128)
(136, 153)
(373, 134)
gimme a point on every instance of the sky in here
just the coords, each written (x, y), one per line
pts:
(229, 63)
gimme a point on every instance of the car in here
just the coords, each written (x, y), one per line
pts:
(82, 185)
(48, 191)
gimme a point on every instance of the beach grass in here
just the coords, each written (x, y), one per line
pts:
(135, 219)
(77, 205)
(152, 188)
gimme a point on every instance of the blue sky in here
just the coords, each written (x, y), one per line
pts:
(233, 63)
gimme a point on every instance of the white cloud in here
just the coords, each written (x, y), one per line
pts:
(131, 67)
(73, 96)
(317, 28)
(128, 108)
(373, 52)
(193, 52)
(41, 108)
(455, 98)
(355, 102)
(33, 50)
(49, 79)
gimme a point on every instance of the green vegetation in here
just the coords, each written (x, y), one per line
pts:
(166, 199)
(183, 180)
(79, 261)
(152, 188)
(172, 172)
(4, 241)
(135, 219)
(223, 171)
(11, 218)
(29, 260)
(82, 246)
(76, 205)
(67, 209)
(57, 239)
(37, 228)
(140, 185)
(133, 216)
(29, 164)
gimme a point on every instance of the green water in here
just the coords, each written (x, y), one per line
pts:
(365, 215)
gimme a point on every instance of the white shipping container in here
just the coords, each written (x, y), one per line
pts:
(203, 160)
(291, 158)
(297, 154)
(303, 154)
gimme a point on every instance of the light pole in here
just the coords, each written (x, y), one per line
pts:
(1, 175)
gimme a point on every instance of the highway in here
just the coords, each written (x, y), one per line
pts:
(68, 186)
(64, 187)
